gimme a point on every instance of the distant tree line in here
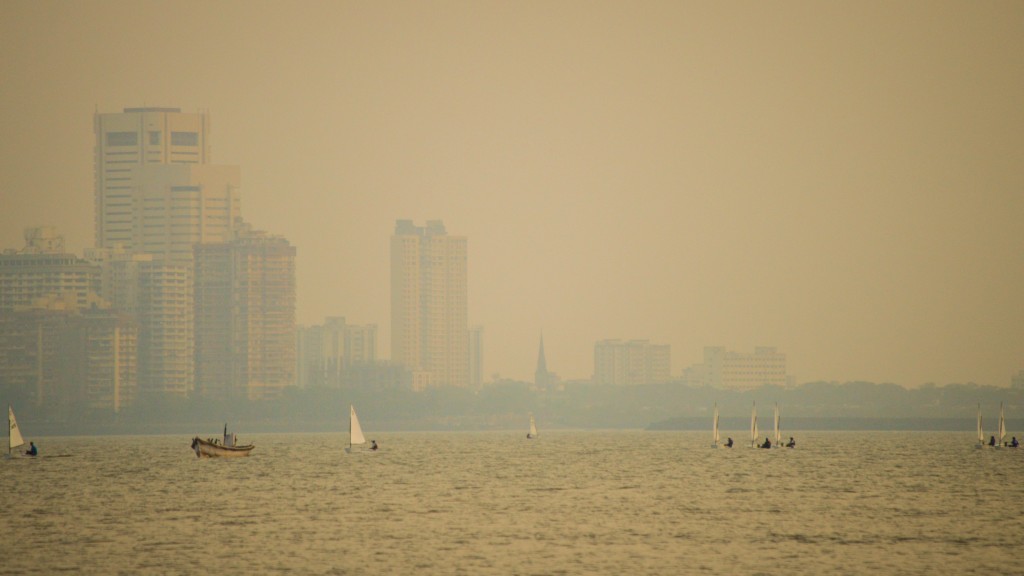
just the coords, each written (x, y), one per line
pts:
(505, 405)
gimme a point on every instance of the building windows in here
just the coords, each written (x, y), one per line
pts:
(122, 139)
(184, 138)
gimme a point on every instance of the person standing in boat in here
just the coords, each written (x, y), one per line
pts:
(992, 441)
(32, 450)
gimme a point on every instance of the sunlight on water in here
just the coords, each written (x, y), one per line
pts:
(497, 503)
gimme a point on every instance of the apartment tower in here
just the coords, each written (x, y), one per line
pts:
(245, 316)
(429, 328)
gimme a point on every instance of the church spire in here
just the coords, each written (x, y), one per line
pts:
(541, 378)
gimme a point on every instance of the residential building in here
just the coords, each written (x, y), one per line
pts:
(739, 371)
(631, 362)
(1017, 381)
(326, 352)
(245, 315)
(69, 359)
(100, 358)
(429, 328)
(166, 333)
(30, 342)
(42, 270)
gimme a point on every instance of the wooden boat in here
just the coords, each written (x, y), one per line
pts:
(227, 448)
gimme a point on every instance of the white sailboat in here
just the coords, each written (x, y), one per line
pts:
(714, 429)
(1002, 427)
(753, 427)
(533, 428)
(355, 431)
(778, 431)
(981, 431)
(14, 434)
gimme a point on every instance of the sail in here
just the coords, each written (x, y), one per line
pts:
(1002, 426)
(753, 426)
(715, 436)
(15, 435)
(778, 431)
(981, 430)
(533, 427)
(355, 432)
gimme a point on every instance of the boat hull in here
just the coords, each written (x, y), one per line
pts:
(207, 449)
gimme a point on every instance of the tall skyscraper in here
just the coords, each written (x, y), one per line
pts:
(156, 188)
(245, 315)
(429, 304)
(158, 193)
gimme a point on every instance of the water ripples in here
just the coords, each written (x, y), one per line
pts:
(496, 503)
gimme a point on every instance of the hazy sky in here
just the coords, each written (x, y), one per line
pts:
(842, 180)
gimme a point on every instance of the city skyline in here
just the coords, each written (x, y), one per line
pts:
(840, 182)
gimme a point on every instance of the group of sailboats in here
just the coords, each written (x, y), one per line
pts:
(755, 436)
(997, 441)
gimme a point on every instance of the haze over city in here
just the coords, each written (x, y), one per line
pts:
(842, 181)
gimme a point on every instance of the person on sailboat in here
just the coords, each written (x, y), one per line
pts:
(791, 443)
(729, 443)
(767, 443)
(373, 444)
(992, 441)
(32, 451)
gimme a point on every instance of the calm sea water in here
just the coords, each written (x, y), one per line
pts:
(497, 503)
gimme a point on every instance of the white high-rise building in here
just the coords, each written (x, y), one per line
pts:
(738, 371)
(157, 193)
(156, 189)
(429, 304)
(631, 362)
